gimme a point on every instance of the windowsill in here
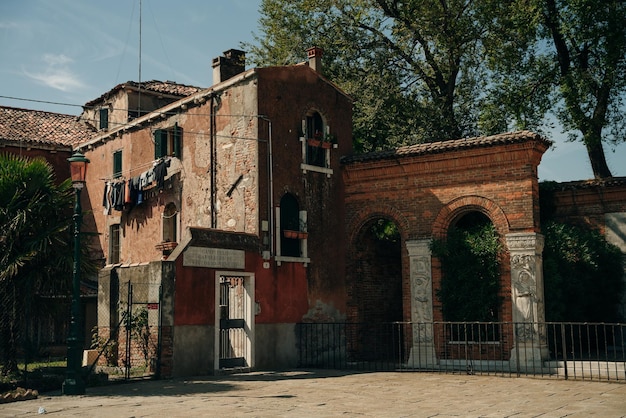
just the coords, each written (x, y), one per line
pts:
(474, 342)
(283, 259)
(309, 167)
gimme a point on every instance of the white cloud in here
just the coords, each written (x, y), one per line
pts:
(57, 74)
(54, 60)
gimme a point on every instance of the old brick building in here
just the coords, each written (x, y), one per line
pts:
(222, 212)
(229, 215)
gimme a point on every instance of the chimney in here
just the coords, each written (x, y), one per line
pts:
(232, 63)
(315, 58)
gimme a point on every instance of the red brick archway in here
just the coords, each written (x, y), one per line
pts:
(464, 204)
(425, 188)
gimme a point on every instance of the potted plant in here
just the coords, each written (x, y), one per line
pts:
(294, 232)
(322, 140)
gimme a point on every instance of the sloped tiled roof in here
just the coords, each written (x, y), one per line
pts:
(444, 146)
(37, 127)
(584, 184)
(155, 86)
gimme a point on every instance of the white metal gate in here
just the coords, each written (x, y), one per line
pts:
(234, 320)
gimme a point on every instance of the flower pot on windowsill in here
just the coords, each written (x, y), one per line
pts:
(288, 233)
(319, 143)
(166, 246)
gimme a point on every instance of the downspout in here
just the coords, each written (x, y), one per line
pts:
(213, 145)
(270, 193)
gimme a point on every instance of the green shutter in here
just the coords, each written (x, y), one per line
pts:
(104, 118)
(160, 143)
(178, 136)
(117, 163)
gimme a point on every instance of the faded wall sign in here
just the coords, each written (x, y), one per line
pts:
(214, 258)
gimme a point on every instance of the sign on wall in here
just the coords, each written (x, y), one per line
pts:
(214, 258)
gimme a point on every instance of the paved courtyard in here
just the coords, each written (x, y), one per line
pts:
(333, 394)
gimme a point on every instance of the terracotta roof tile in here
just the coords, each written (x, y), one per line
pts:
(39, 127)
(585, 184)
(164, 87)
(443, 146)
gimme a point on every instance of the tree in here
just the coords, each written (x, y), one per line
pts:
(583, 275)
(414, 68)
(34, 241)
(445, 69)
(470, 258)
(569, 55)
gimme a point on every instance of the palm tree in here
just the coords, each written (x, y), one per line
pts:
(35, 236)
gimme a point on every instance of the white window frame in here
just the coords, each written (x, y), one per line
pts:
(304, 249)
(310, 167)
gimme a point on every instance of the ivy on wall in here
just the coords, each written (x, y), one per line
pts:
(470, 259)
(582, 275)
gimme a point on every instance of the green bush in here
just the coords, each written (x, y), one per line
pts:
(470, 259)
(582, 275)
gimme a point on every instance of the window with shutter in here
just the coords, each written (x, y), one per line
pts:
(117, 163)
(104, 118)
(168, 142)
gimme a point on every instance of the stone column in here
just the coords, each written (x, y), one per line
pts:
(423, 349)
(528, 307)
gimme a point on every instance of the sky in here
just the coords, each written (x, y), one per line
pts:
(73, 51)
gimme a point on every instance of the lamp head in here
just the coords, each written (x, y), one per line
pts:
(78, 168)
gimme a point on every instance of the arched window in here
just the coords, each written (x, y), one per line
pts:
(316, 135)
(289, 221)
(170, 223)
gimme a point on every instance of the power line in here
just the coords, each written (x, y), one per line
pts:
(41, 101)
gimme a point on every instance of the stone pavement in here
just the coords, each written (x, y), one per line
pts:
(324, 393)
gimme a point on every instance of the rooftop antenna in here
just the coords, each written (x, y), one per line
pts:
(139, 98)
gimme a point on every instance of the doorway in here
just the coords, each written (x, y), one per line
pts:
(234, 321)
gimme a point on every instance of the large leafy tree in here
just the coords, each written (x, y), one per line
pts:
(568, 56)
(440, 69)
(35, 234)
(414, 68)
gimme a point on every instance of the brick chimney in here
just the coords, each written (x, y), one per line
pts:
(315, 58)
(232, 63)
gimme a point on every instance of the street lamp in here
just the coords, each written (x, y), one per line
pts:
(74, 383)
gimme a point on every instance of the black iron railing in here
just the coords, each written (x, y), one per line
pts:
(594, 351)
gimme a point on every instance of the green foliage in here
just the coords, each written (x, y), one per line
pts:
(34, 240)
(567, 59)
(108, 347)
(582, 275)
(139, 326)
(385, 230)
(429, 70)
(470, 259)
(414, 68)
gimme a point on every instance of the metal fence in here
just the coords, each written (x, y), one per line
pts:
(131, 346)
(582, 351)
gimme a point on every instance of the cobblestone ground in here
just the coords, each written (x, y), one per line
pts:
(336, 394)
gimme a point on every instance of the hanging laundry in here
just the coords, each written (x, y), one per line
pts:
(118, 195)
(106, 198)
(136, 194)
(160, 171)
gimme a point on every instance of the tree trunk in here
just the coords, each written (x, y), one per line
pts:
(596, 156)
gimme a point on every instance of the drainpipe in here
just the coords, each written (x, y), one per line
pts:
(270, 175)
(213, 144)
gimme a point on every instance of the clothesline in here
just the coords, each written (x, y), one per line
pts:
(125, 194)
(122, 174)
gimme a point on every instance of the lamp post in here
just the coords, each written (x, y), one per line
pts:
(74, 384)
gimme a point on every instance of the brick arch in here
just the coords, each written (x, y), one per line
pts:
(465, 204)
(314, 107)
(364, 215)
(367, 301)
